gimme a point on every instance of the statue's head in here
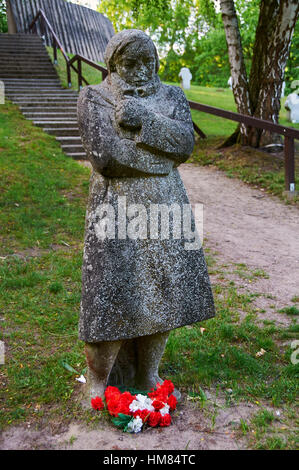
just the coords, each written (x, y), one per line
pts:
(133, 56)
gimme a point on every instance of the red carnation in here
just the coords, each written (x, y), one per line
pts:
(168, 385)
(165, 421)
(111, 391)
(143, 414)
(172, 402)
(97, 403)
(118, 402)
(161, 394)
(158, 405)
(154, 418)
(113, 404)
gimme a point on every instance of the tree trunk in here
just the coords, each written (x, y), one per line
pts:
(237, 64)
(261, 96)
(274, 32)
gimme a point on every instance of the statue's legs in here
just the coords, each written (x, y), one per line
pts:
(150, 350)
(100, 360)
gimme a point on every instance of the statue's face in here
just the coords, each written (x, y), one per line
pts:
(136, 65)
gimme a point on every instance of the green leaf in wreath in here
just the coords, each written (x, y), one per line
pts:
(122, 420)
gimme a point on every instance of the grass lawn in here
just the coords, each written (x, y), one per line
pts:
(43, 198)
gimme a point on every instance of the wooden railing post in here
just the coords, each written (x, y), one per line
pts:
(42, 28)
(104, 75)
(55, 51)
(69, 78)
(289, 163)
(79, 74)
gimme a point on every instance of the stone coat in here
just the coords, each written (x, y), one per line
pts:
(136, 287)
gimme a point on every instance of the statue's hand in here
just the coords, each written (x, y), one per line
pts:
(129, 113)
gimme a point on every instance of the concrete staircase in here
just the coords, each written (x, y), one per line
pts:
(32, 83)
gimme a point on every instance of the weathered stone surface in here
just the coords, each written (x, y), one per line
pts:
(135, 135)
(136, 131)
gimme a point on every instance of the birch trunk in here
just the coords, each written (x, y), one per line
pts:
(274, 32)
(236, 59)
(260, 96)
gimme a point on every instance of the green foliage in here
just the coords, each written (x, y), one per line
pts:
(290, 310)
(190, 33)
(292, 68)
(3, 19)
(211, 65)
(122, 421)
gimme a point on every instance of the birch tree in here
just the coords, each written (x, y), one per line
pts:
(260, 95)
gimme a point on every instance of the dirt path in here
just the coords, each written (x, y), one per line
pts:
(243, 225)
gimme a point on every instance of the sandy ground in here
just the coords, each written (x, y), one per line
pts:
(243, 225)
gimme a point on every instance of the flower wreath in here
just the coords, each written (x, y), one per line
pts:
(132, 412)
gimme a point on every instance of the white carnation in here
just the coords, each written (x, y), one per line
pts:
(142, 402)
(135, 425)
(165, 411)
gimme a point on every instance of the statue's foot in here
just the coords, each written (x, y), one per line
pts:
(92, 390)
(177, 394)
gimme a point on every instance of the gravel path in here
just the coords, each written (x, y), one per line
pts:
(246, 225)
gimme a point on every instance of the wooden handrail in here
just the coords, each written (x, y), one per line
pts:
(249, 121)
(289, 134)
(79, 58)
(55, 42)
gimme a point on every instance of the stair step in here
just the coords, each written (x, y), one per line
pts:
(31, 71)
(57, 124)
(42, 93)
(69, 140)
(47, 101)
(28, 65)
(46, 118)
(46, 96)
(24, 61)
(21, 42)
(40, 116)
(33, 88)
(53, 110)
(72, 148)
(12, 57)
(24, 75)
(35, 91)
(32, 81)
(21, 49)
(50, 109)
(61, 131)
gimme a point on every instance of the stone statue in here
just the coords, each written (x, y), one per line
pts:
(186, 76)
(136, 131)
(292, 107)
